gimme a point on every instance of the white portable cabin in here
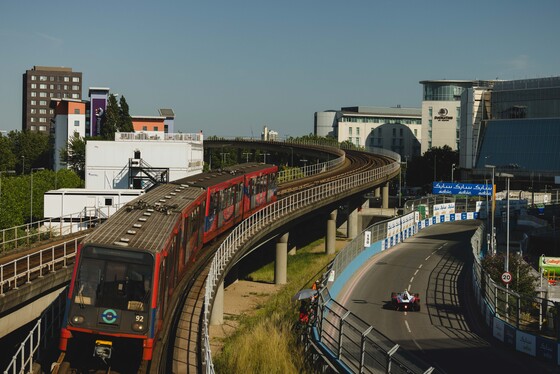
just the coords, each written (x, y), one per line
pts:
(73, 203)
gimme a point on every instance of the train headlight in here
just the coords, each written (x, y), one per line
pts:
(78, 320)
(138, 327)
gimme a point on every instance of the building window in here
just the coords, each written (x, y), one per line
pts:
(42, 128)
(52, 78)
(42, 111)
(430, 123)
(67, 79)
(33, 102)
(65, 87)
(75, 79)
(394, 132)
(75, 96)
(42, 94)
(42, 102)
(358, 131)
(33, 77)
(415, 132)
(51, 111)
(75, 87)
(33, 128)
(42, 119)
(43, 86)
(76, 123)
(33, 111)
(32, 119)
(144, 128)
(401, 132)
(43, 78)
(430, 112)
(156, 128)
(51, 86)
(350, 131)
(76, 111)
(33, 85)
(33, 93)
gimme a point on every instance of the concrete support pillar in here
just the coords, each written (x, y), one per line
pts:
(352, 225)
(385, 201)
(378, 192)
(217, 316)
(292, 251)
(281, 262)
(365, 205)
(330, 239)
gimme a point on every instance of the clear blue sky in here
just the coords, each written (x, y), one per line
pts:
(231, 67)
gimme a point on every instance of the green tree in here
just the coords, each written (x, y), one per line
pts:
(32, 149)
(125, 120)
(8, 160)
(523, 281)
(436, 161)
(75, 155)
(110, 119)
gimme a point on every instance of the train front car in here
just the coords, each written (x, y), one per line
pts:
(125, 271)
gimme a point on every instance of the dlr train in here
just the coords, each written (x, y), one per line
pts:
(127, 269)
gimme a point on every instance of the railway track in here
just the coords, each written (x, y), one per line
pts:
(181, 346)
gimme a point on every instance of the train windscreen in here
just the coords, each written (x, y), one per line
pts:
(111, 278)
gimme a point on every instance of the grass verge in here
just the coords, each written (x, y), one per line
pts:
(265, 342)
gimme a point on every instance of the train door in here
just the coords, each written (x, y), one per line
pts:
(239, 200)
(162, 294)
(271, 188)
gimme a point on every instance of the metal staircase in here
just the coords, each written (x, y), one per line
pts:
(143, 175)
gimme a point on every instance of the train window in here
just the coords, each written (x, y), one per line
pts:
(113, 283)
(239, 192)
(214, 200)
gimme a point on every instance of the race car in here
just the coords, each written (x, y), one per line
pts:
(406, 300)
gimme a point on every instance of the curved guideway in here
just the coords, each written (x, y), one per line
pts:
(446, 332)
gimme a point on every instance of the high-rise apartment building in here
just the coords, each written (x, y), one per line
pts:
(40, 85)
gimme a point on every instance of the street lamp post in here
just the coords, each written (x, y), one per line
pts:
(31, 199)
(452, 169)
(506, 265)
(264, 155)
(493, 167)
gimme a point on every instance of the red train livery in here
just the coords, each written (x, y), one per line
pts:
(127, 269)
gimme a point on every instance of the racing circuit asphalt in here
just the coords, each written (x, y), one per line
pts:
(447, 332)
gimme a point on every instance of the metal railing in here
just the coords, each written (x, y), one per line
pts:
(309, 170)
(17, 236)
(48, 325)
(262, 219)
(47, 263)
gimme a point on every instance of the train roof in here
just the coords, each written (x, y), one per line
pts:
(147, 221)
(215, 177)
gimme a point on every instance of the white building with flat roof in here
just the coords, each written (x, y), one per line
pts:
(396, 129)
(138, 160)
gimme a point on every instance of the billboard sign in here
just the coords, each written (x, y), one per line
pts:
(469, 189)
